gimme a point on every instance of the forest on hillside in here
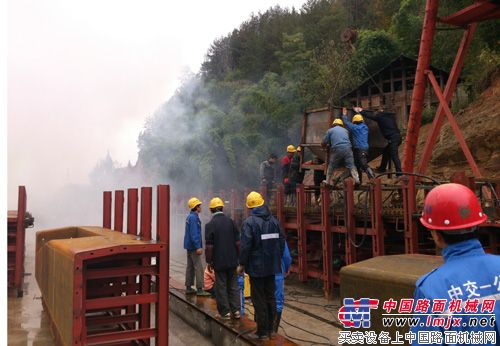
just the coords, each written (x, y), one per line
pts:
(247, 100)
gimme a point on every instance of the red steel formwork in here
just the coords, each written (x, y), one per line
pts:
(351, 223)
(117, 279)
(148, 280)
(468, 19)
(16, 229)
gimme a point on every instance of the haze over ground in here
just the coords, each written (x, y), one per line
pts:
(84, 75)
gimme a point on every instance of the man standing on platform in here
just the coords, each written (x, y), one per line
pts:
(194, 248)
(262, 246)
(222, 242)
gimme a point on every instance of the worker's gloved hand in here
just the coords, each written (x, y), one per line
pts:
(285, 180)
(240, 269)
(199, 251)
(358, 109)
(344, 111)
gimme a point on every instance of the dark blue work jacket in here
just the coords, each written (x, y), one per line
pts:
(262, 243)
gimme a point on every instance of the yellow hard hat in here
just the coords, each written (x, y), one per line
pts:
(193, 202)
(254, 200)
(290, 149)
(216, 202)
(338, 122)
(357, 118)
(299, 148)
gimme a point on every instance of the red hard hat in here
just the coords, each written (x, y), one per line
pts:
(451, 206)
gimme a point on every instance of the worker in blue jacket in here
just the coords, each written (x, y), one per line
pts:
(469, 279)
(194, 248)
(337, 139)
(359, 132)
(286, 261)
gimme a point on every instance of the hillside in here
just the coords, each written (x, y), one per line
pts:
(248, 97)
(480, 125)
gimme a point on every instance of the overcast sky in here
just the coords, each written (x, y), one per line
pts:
(84, 75)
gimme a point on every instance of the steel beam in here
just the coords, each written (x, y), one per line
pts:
(119, 199)
(132, 210)
(449, 90)
(301, 232)
(410, 208)
(280, 209)
(326, 237)
(454, 125)
(146, 205)
(132, 200)
(377, 222)
(117, 302)
(350, 249)
(477, 12)
(163, 235)
(20, 236)
(105, 338)
(417, 102)
(101, 273)
(106, 210)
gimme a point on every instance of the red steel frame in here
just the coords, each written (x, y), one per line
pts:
(322, 219)
(15, 244)
(100, 280)
(303, 222)
(467, 18)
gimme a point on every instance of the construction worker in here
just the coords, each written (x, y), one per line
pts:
(296, 173)
(194, 249)
(387, 123)
(286, 261)
(222, 240)
(452, 214)
(262, 246)
(359, 132)
(337, 138)
(268, 173)
(285, 174)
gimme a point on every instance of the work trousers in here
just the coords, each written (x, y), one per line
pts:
(391, 153)
(227, 292)
(264, 303)
(194, 267)
(361, 162)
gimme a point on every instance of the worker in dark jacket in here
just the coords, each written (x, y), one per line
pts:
(262, 245)
(337, 138)
(222, 243)
(286, 163)
(468, 283)
(296, 172)
(268, 173)
(387, 123)
(194, 248)
(359, 132)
